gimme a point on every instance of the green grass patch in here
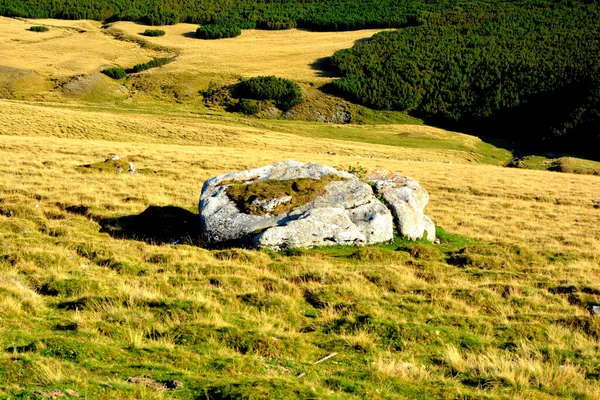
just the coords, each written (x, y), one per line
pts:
(562, 164)
(479, 151)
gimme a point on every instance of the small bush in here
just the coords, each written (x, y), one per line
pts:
(38, 28)
(157, 62)
(154, 32)
(115, 73)
(218, 31)
(249, 106)
(283, 92)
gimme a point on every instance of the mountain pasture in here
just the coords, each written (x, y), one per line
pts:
(93, 294)
(106, 291)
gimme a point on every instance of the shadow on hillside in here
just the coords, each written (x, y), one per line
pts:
(323, 66)
(156, 225)
(525, 130)
(191, 35)
(363, 40)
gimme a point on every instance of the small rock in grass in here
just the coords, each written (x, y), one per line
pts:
(172, 384)
(54, 393)
(152, 383)
(595, 310)
(147, 381)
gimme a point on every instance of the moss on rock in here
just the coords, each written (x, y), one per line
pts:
(250, 197)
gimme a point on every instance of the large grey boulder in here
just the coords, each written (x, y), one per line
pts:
(341, 210)
(407, 200)
(347, 212)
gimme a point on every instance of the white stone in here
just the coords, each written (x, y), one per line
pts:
(429, 228)
(348, 213)
(407, 200)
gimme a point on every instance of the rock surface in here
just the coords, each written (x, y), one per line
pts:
(406, 199)
(346, 212)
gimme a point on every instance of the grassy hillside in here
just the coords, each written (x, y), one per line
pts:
(93, 290)
(64, 64)
(74, 53)
(518, 70)
(106, 294)
(288, 54)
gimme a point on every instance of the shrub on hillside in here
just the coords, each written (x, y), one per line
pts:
(39, 29)
(218, 31)
(283, 92)
(157, 62)
(115, 72)
(249, 106)
(154, 32)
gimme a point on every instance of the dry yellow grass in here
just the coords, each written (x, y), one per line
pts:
(83, 47)
(69, 48)
(538, 209)
(271, 139)
(289, 54)
(413, 325)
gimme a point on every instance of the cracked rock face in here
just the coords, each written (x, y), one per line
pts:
(406, 199)
(346, 212)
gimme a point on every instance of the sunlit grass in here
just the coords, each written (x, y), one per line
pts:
(500, 309)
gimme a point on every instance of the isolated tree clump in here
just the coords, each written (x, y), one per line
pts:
(154, 32)
(39, 28)
(115, 72)
(283, 92)
(218, 31)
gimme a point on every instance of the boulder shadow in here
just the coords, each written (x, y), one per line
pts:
(156, 225)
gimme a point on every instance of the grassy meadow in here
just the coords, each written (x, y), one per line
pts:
(106, 294)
